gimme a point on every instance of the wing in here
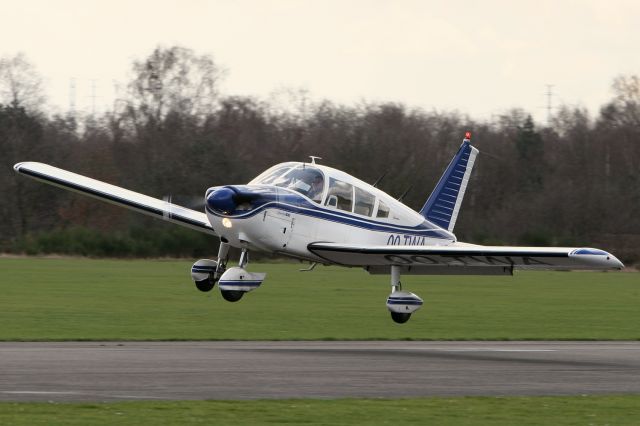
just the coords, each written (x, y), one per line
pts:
(464, 259)
(116, 195)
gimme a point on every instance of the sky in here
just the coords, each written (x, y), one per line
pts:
(477, 57)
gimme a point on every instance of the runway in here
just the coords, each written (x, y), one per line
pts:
(112, 371)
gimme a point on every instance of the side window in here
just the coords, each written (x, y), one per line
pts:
(383, 210)
(364, 202)
(340, 195)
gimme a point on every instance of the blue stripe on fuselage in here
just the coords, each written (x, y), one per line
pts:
(278, 198)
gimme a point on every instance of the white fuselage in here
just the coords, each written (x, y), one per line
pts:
(284, 220)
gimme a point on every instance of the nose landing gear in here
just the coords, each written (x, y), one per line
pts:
(233, 282)
(400, 303)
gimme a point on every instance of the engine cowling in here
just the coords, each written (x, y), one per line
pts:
(222, 200)
(228, 199)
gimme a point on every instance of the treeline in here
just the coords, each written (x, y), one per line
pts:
(575, 181)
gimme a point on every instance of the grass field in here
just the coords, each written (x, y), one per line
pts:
(84, 299)
(610, 410)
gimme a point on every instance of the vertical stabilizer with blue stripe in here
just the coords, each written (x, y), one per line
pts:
(443, 204)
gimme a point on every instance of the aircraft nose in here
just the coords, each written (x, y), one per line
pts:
(221, 200)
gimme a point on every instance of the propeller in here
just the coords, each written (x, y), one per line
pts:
(193, 202)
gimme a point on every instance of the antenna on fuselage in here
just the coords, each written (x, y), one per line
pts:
(404, 194)
(314, 158)
(375, 184)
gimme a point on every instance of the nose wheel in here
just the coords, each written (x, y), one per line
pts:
(400, 303)
(232, 295)
(400, 317)
(236, 281)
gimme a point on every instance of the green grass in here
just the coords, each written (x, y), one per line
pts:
(609, 410)
(81, 299)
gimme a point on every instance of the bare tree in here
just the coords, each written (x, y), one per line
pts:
(625, 106)
(174, 79)
(20, 83)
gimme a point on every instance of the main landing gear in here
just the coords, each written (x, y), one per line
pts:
(233, 282)
(400, 303)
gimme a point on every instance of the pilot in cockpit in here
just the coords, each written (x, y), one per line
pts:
(317, 187)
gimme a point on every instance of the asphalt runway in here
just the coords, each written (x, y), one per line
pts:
(112, 371)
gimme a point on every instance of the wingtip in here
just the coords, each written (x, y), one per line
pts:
(600, 258)
(28, 164)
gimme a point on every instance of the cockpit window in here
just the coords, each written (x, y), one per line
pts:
(271, 177)
(305, 179)
(340, 195)
(364, 202)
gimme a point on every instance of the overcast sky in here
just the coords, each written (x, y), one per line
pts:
(478, 57)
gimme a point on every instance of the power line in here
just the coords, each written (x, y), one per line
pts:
(93, 96)
(549, 95)
(72, 95)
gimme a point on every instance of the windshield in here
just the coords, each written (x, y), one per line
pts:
(305, 179)
(270, 176)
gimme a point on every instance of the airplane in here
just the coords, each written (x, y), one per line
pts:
(315, 213)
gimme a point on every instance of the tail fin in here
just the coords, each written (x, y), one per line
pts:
(443, 204)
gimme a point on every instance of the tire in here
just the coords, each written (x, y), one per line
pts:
(400, 317)
(205, 285)
(232, 295)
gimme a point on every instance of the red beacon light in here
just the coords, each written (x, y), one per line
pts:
(467, 135)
